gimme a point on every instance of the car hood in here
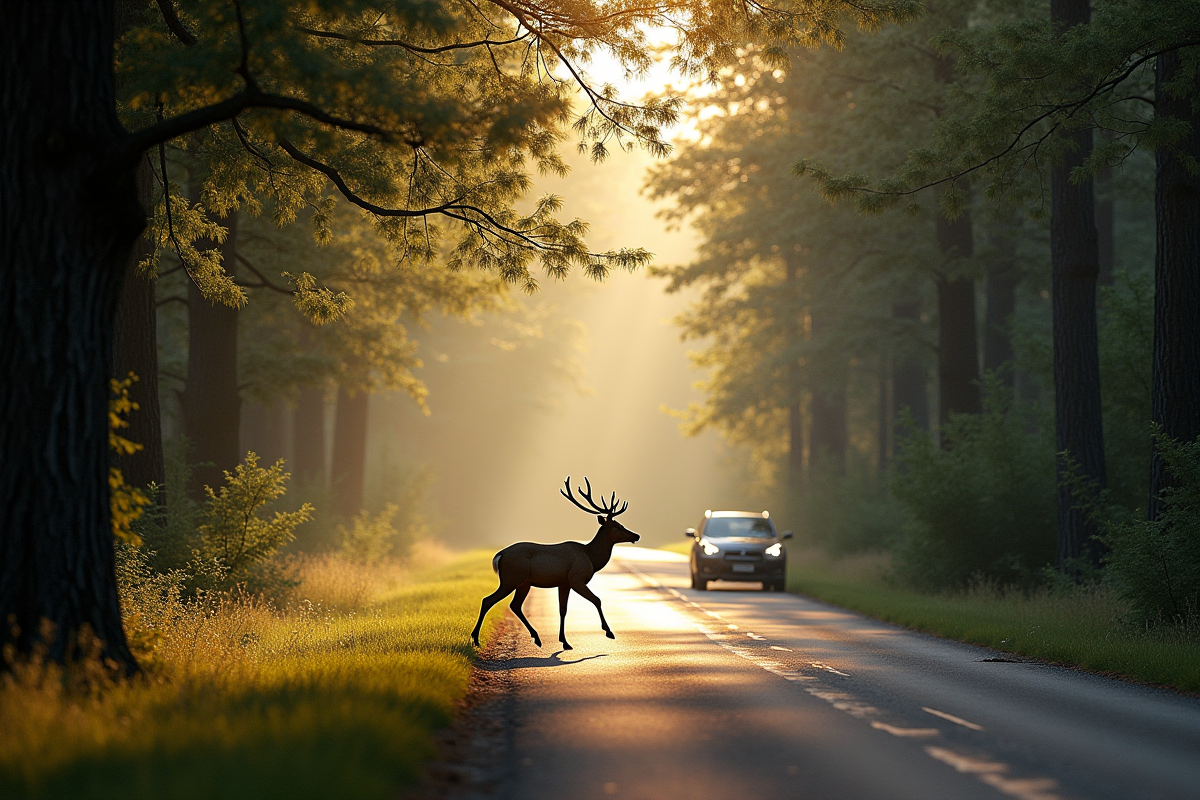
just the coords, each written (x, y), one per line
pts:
(742, 542)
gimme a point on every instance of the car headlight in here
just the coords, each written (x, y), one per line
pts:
(775, 550)
(709, 548)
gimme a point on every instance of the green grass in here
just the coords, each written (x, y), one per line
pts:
(244, 700)
(1078, 628)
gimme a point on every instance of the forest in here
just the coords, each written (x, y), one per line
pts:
(945, 308)
(940, 272)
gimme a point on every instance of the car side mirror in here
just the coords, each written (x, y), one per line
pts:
(690, 533)
(785, 535)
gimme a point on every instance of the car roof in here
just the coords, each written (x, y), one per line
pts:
(758, 514)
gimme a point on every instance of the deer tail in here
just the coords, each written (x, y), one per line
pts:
(496, 563)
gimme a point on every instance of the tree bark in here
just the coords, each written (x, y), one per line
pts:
(827, 437)
(211, 402)
(958, 353)
(1106, 240)
(1002, 280)
(263, 431)
(1175, 381)
(794, 334)
(1074, 269)
(350, 450)
(135, 349)
(67, 221)
(909, 375)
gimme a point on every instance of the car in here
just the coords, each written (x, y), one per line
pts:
(738, 546)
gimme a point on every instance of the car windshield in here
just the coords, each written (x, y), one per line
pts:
(729, 527)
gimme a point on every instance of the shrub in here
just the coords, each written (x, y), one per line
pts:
(850, 513)
(983, 504)
(1156, 565)
(231, 530)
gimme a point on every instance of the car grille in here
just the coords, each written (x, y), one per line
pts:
(744, 556)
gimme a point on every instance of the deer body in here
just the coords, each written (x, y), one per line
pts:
(567, 566)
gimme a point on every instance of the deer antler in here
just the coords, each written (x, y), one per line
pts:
(610, 510)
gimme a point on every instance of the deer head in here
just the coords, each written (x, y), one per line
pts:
(605, 512)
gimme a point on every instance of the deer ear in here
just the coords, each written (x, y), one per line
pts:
(600, 519)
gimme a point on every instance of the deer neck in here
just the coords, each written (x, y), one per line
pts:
(599, 550)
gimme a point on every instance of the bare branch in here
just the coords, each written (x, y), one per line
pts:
(266, 283)
(172, 127)
(413, 48)
(167, 8)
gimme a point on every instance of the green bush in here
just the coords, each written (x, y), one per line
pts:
(1156, 565)
(982, 504)
(849, 513)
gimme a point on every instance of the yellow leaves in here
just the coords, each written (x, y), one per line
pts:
(126, 503)
(319, 304)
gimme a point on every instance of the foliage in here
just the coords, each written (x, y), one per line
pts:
(296, 702)
(983, 503)
(851, 513)
(126, 503)
(425, 116)
(1156, 565)
(1033, 88)
(371, 539)
(231, 530)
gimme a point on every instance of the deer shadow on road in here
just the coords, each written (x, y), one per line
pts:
(527, 662)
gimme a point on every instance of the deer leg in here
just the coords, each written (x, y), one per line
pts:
(515, 605)
(588, 594)
(564, 594)
(486, 606)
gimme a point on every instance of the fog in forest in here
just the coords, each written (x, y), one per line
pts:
(512, 415)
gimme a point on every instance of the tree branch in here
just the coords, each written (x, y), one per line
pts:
(267, 283)
(411, 47)
(167, 8)
(172, 127)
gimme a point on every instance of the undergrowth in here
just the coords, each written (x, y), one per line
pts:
(332, 691)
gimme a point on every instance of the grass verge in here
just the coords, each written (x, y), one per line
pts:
(1080, 627)
(245, 700)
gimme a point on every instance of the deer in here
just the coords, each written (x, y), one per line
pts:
(566, 565)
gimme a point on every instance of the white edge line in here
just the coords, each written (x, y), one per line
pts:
(952, 718)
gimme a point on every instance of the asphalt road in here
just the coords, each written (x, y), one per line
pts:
(734, 693)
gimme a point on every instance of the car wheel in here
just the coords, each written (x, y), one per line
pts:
(699, 583)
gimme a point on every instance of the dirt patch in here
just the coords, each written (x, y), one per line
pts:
(475, 752)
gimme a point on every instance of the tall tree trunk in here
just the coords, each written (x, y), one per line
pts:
(958, 351)
(885, 414)
(211, 403)
(349, 450)
(135, 349)
(909, 375)
(794, 334)
(1106, 240)
(263, 431)
(827, 437)
(1002, 280)
(1074, 268)
(308, 437)
(68, 219)
(1175, 382)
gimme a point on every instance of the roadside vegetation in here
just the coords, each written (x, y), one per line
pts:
(267, 672)
(1090, 626)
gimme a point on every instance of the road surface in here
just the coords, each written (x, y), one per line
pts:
(731, 693)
